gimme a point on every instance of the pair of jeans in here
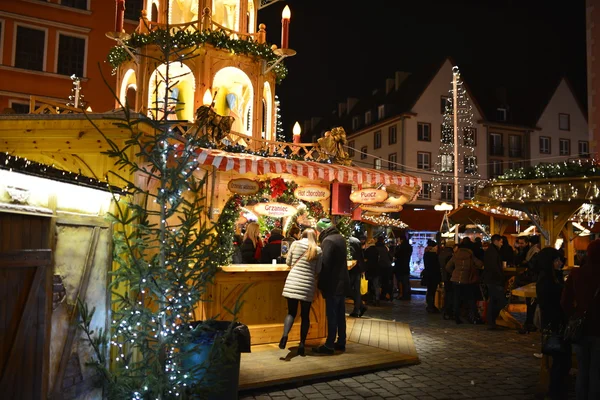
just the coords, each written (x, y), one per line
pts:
(464, 293)
(587, 386)
(404, 280)
(375, 283)
(335, 308)
(561, 365)
(497, 301)
(355, 289)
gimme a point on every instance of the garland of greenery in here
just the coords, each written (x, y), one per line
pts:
(185, 39)
(566, 169)
(275, 189)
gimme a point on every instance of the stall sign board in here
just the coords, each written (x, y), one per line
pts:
(385, 206)
(312, 193)
(368, 196)
(243, 186)
(275, 210)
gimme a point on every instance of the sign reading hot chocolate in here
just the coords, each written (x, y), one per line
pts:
(368, 196)
(384, 206)
(312, 193)
(276, 210)
(243, 186)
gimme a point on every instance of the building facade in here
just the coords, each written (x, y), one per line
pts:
(44, 43)
(400, 128)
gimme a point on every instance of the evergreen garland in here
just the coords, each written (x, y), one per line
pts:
(566, 169)
(188, 39)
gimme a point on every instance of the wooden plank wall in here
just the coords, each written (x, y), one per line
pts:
(23, 232)
(25, 306)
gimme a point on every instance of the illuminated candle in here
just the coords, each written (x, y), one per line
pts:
(296, 131)
(207, 98)
(285, 27)
(120, 12)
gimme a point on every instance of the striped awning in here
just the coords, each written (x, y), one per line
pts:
(242, 163)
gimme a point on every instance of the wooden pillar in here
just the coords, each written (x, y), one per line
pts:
(569, 242)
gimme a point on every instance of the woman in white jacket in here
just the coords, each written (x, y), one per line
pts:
(305, 259)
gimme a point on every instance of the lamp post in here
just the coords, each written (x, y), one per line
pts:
(296, 130)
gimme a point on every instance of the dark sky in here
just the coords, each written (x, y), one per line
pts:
(347, 48)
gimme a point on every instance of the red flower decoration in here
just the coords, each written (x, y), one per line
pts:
(278, 186)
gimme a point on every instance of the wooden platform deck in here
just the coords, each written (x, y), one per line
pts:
(372, 344)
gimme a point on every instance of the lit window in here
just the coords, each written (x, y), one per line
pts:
(377, 163)
(447, 162)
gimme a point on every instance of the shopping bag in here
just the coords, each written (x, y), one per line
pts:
(364, 285)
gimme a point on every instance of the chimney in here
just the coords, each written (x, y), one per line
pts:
(389, 85)
(313, 122)
(342, 109)
(399, 78)
(351, 101)
(306, 127)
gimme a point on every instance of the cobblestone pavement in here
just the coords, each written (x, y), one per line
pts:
(457, 362)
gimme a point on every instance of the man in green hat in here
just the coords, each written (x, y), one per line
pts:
(334, 283)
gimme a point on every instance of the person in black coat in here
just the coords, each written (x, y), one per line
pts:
(334, 283)
(385, 269)
(493, 277)
(355, 273)
(373, 273)
(506, 252)
(549, 288)
(272, 250)
(403, 254)
(432, 274)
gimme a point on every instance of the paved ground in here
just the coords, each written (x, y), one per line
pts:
(457, 362)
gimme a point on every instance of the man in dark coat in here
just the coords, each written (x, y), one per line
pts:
(355, 273)
(493, 277)
(402, 266)
(334, 283)
(272, 250)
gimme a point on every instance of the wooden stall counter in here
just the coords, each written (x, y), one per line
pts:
(260, 287)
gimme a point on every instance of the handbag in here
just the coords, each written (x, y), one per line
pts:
(574, 329)
(553, 342)
(364, 285)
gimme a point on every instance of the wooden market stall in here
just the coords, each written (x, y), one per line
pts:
(256, 178)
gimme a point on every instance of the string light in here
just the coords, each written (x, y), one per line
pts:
(443, 168)
(384, 220)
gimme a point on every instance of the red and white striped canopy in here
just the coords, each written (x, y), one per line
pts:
(243, 163)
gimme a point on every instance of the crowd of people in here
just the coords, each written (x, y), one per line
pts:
(467, 271)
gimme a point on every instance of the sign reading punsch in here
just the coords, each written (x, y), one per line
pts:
(368, 196)
(276, 210)
(243, 186)
(312, 193)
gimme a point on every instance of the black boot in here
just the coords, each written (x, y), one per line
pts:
(283, 342)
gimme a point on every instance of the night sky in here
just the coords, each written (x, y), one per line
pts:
(347, 48)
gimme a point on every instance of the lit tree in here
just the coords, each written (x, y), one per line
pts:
(76, 96)
(279, 124)
(165, 250)
(466, 173)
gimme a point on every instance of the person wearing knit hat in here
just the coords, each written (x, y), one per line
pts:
(323, 224)
(334, 283)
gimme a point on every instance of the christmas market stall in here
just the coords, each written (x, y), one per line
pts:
(278, 191)
(555, 197)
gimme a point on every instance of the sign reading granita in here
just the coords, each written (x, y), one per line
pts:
(243, 186)
(384, 206)
(312, 193)
(368, 196)
(276, 210)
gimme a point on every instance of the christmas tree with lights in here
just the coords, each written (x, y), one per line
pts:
(457, 161)
(165, 250)
(279, 123)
